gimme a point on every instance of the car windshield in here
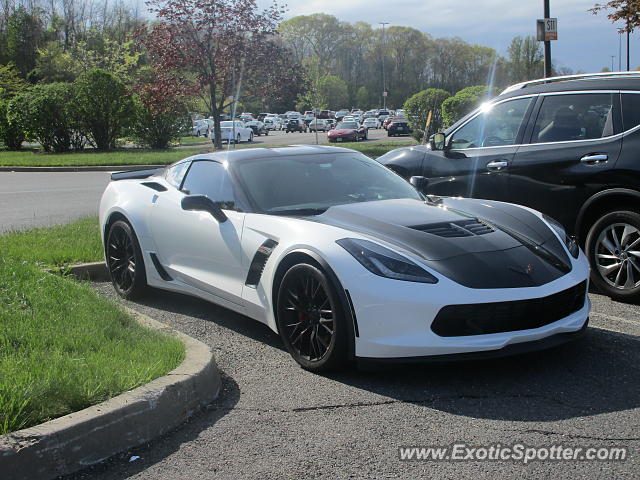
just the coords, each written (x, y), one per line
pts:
(346, 125)
(310, 184)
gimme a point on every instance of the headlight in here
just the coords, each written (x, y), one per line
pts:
(569, 241)
(384, 262)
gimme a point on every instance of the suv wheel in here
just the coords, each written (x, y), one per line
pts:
(613, 248)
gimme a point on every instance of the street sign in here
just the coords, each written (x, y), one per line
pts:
(384, 94)
(547, 29)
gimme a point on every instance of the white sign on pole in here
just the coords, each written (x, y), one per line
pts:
(550, 29)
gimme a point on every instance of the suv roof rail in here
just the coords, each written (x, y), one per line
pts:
(562, 78)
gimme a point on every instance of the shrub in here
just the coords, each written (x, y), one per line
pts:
(155, 128)
(104, 106)
(45, 113)
(463, 102)
(418, 108)
(11, 133)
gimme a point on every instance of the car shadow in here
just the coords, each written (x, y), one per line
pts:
(595, 374)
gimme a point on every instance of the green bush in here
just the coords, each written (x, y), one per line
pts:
(463, 102)
(155, 128)
(11, 133)
(46, 114)
(105, 107)
(418, 108)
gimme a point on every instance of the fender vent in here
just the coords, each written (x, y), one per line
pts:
(159, 268)
(462, 228)
(259, 261)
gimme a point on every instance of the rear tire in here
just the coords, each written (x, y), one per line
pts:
(124, 261)
(310, 320)
(613, 249)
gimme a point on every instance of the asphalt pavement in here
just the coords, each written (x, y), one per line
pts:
(274, 420)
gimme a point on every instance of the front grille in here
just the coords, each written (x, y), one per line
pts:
(462, 228)
(484, 318)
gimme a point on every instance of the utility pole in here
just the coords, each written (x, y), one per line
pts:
(547, 45)
(612, 57)
(628, 63)
(384, 78)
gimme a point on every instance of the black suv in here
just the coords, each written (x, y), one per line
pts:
(568, 147)
(296, 125)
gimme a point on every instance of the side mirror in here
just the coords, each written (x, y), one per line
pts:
(419, 183)
(438, 141)
(202, 203)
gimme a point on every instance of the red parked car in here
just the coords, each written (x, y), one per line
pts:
(347, 132)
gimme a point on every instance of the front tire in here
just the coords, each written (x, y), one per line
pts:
(124, 261)
(310, 320)
(613, 249)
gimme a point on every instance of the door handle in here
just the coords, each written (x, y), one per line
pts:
(497, 165)
(594, 159)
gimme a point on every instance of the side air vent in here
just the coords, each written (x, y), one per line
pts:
(259, 261)
(462, 228)
(159, 268)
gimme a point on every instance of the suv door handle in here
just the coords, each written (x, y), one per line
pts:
(497, 165)
(594, 159)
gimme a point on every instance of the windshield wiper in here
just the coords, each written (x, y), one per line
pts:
(300, 211)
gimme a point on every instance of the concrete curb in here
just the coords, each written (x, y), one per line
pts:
(75, 441)
(96, 271)
(96, 168)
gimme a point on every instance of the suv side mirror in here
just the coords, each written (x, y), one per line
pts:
(419, 183)
(438, 141)
(202, 203)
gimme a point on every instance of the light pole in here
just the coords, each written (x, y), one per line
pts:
(384, 78)
(612, 57)
(547, 44)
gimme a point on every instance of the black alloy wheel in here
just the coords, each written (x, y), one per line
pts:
(124, 261)
(613, 249)
(310, 321)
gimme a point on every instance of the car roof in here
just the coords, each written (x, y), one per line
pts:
(253, 153)
(628, 81)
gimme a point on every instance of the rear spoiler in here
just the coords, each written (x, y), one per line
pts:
(136, 174)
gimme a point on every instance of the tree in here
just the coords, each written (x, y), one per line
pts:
(12, 133)
(222, 44)
(627, 11)
(418, 108)
(526, 60)
(10, 81)
(362, 98)
(334, 91)
(24, 34)
(463, 102)
(104, 105)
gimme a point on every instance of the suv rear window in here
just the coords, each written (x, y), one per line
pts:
(630, 110)
(574, 117)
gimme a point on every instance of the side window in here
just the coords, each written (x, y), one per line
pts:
(574, 117)
(175, 174)
(494, 127)
(630, 110)
(210, 179)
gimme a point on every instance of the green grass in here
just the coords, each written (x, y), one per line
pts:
(55, 246)
(188, 140)
(63, 347)
(135, 156)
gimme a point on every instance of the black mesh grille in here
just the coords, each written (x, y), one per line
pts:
(462, 228)
(483, 318)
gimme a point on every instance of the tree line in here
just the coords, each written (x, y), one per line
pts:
(217, 56)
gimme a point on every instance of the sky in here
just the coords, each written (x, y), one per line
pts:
(585, 41)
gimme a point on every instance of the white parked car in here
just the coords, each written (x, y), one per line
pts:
(371, 123)
(319, 125)
(234, 131)
(202, 128)
(273, 122)
(343, 258)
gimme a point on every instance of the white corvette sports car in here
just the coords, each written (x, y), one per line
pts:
(345, 259)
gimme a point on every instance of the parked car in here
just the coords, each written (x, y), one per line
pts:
(347, 132)
(246, 117)
(371, 122)
(234, 131)
(293, 115)
(273, 123)
(398, 126)
(258, 127)
(308, 117)
(331, 123)
(342, 258)
(320, 125)
(202, 128)
(565, 146)
(296, 125)
(340, 114)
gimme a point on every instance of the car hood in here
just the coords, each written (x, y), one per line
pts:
(479, 244)
(343, 131)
